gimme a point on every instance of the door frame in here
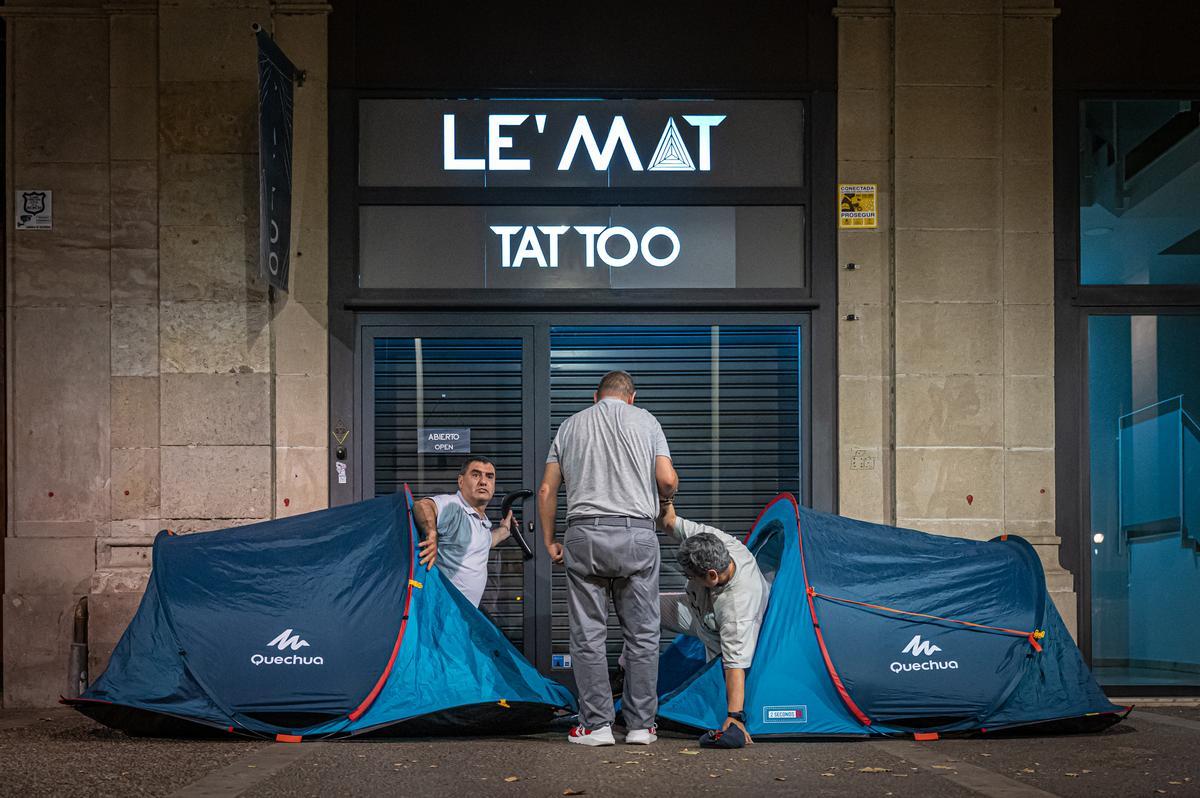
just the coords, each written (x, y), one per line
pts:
(1075, 303)
(534, 328)
(364, 435)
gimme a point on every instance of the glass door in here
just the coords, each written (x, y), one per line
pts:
(729, 393)
(433, 397)
(729, 398)
(1144, 408)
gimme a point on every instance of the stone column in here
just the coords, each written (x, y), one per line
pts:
(215, 353)
(963, 327)
(865, 384)
(59, 355)
(154, 381)
(123, 554)
(300, 321)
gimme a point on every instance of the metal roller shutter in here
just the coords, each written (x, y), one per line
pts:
(728, 399)
(464, 382)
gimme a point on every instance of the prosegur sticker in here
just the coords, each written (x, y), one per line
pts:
(856, 208)
(34, 210)
(560, 661)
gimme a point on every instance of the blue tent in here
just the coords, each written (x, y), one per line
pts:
(874, 630)
(313, 626)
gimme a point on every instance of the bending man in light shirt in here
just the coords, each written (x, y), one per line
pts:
(456, 532)
(724, 604)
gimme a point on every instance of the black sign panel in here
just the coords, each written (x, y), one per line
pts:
(627, 247)
(275, 76)
(581, 143)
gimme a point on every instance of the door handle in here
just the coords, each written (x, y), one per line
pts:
(515, 533)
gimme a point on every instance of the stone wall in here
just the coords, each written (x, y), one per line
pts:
(154, 383)
(946, 380)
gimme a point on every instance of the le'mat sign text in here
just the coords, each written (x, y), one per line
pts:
(614, 246)
(579, 193)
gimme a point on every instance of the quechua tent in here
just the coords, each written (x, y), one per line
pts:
(314, 626)
(875, 630)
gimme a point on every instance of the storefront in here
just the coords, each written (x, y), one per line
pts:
(514, 240)
(1127, 183)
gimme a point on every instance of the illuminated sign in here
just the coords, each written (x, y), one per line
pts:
(581, 194)
(596, 237)
(581, 143)
(671, 154)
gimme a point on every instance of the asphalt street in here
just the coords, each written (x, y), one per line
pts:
(1156, 751)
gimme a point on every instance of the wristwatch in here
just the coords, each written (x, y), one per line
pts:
(739, 716)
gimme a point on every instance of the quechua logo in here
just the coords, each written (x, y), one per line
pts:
(286, 641)
(922, 648)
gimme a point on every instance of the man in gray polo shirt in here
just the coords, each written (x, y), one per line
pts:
(614, 460)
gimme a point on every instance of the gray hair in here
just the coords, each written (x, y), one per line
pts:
(701, 553)
(617, 382)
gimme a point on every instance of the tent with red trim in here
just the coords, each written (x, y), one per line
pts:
(317, 625)
(875, 630)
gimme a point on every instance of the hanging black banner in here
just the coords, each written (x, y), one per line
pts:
(275, 75)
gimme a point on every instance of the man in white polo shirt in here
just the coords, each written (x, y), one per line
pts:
(724, 605)
(456, 532)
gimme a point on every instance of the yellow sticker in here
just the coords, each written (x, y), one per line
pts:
(856, 206)
(415, 583)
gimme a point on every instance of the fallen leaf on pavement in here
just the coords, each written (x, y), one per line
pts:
(874, 770)
(944, 767)
(512, 778)
(826, 774)
(1169, 782)
(1023, 770)
(780, 778)
(900, 775)
(569, 791)
(1072, 775)
(689, 752)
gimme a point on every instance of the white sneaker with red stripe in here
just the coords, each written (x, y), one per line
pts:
(581, 736)
(642, 736)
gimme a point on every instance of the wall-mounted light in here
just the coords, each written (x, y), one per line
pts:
(1098, 537)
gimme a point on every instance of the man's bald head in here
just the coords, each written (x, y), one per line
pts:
(616, 383)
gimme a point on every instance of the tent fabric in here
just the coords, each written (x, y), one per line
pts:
(321, 624)
(876, 630)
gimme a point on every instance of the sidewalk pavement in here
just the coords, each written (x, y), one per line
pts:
(57, 752)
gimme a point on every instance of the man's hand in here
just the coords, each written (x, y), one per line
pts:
(666, 515)
(731, 722)
(547, 501)
(428, 549)
(502, 532)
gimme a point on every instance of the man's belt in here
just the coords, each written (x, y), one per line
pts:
(612, 520)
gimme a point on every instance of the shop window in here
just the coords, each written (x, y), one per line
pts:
(1139, 187)
(1144, 398)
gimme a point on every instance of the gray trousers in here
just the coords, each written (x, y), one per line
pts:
(618, 556)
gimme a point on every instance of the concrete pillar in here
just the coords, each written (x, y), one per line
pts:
(59, 338)
(865, 155)
(154, 382)
(948, 375)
